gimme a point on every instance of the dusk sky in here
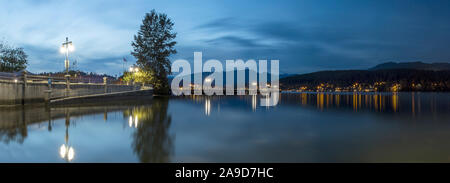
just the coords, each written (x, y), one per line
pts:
(305, 36)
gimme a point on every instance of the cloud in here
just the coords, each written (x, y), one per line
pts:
(220, 23)
(235, 41)
(305, 35)
(42, 26)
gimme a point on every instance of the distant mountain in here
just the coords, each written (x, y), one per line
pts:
(285, 75)
(412, 65)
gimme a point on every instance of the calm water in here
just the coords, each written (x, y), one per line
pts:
(304, 127)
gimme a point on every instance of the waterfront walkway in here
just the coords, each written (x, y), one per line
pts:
(23, 88)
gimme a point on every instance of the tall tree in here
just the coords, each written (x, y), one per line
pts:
(12, 59)
(152, 46)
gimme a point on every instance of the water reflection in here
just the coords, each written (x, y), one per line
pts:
(133, 122)
(304, 127)
(377, 102)
(152, 142)
(254, 102)
(66, 151)
(149, 123)
(207, 106)
(16, 132)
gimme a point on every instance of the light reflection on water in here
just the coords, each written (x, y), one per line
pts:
(304, 127)
(376, 102)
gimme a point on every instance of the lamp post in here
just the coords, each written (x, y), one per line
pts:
(134, 70)
(67, 47)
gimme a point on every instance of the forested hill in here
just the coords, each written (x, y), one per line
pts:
(413, 65)
(413, 76)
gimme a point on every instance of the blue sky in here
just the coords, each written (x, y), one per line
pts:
(305, 35)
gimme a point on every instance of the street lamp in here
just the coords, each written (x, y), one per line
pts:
(67, 47)
(134, 69)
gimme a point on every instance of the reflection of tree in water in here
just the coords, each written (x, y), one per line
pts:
(151, 140)
(13, 127)
(13, 134)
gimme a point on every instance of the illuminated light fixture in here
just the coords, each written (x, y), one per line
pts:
(71, 47)
(134, 69)
(62, 49)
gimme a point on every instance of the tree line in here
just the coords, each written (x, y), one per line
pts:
(12, 59)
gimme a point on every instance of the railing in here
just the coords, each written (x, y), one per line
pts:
(57, 94)
(19, 77)
(59, 87)
(99, 89)
(29, 78)
(10, 77)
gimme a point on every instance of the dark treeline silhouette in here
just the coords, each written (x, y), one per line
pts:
(412, 65)
(73, 72)
(90, 76)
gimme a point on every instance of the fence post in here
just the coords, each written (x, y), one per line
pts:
(48, 94)
(105, 82)
(68, 82)
(24, 86)
(67, 85)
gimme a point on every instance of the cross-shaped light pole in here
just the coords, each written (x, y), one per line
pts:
(65, 48)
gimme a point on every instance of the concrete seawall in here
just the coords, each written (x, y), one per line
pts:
(104, 98)
(16, 93)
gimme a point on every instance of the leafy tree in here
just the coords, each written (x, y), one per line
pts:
(127, 77)
(152, 46)
(12, 59)
(141, 76)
